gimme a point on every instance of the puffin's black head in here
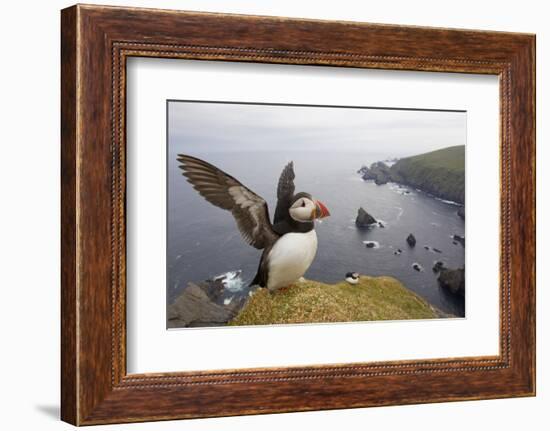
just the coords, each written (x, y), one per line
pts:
(306, 209)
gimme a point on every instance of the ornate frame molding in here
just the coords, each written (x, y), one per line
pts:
(96, 41)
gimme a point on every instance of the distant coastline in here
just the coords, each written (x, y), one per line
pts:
(439, 173)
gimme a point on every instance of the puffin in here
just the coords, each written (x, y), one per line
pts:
(352, 277)
(289, 244)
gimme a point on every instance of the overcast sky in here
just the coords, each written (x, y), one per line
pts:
(208, 127)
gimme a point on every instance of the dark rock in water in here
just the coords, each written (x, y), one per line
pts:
(438, 266)
(417, 267)
(411, 240)
(364, 219)
(381, 224)
(435, 250)
(363, 170)
(398, 252)
(453, 280)
(379, 172)
(461, 213)
(202, 305)
(370, 244)
(460, 239)
(213, 289)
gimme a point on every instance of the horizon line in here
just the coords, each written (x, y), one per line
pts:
(306, 105)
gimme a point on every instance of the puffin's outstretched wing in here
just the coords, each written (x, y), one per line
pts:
(285, 192)
(222, 190)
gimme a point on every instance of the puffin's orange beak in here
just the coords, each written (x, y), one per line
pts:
(321, 211)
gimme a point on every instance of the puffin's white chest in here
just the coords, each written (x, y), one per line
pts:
(290, 258)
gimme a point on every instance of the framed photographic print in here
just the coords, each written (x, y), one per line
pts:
(268, 215)
(206, 255)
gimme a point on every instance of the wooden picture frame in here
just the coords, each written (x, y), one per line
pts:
(95, 43)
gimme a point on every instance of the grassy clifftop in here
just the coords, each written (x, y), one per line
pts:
(373, 298)
(440, 172)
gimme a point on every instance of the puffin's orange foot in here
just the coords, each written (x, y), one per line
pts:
(284, 289)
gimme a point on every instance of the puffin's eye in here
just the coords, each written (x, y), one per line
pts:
(303, 203)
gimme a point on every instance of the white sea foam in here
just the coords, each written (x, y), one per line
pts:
(376, 244)
(231, 280)
(417, 265)
(402, 190)
(445, 201)
(399, 212)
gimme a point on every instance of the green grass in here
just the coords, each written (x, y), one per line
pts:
(451, 158)
(373, 298)
(439, 172)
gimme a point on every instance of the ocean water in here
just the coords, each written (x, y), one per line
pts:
(204, 242)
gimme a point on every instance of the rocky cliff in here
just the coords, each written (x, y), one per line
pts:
(439, 173)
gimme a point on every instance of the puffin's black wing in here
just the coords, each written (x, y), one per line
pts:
(222, 190)
(285, 192)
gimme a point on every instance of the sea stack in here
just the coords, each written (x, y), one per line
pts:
(453, 280)
(411, 240)
(364, 219)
